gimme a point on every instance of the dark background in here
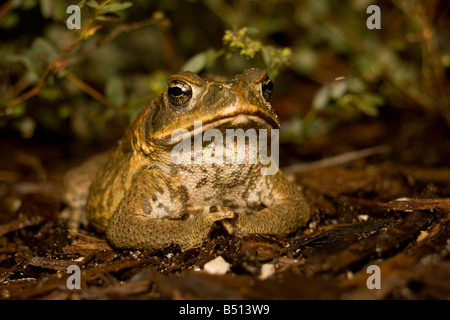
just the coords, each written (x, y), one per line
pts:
(382, 127)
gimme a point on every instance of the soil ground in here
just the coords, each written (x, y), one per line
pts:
(357, 222)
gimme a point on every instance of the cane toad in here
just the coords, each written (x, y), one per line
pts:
(142, 198)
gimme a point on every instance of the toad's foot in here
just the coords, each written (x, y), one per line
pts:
(283, 218)
(134, 230)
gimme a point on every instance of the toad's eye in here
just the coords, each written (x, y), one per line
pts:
(267, 88)
(179, 92)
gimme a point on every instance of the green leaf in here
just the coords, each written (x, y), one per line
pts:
(321, 98)
(116, 6)
(55, 10)
(43, 46)
(304, 60)
(115, 91)
(107, 17)
(81, 3)
(198, 62)
(338, 88)
(18, 110)
(9, 20)
(46, 8)
(370, 103)
(93, 4)
(23, 4)
(51, 93)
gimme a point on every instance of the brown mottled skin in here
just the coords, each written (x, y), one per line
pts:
(142, 199)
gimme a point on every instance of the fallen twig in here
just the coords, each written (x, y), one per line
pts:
(336, 160)
(411, 204)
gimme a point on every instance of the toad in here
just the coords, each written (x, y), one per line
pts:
(143, 197)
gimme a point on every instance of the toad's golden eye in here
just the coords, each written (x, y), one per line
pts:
(179, 92)
(267, 88)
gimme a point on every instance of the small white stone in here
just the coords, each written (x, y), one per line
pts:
(363, 217)
(169, 255)
(217, 266)
(267, 270)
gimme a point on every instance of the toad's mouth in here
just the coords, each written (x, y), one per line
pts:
(239, 121)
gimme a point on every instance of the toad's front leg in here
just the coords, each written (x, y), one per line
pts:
(286, 210)
(150, 217)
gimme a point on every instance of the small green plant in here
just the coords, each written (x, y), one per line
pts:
(93, 80)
